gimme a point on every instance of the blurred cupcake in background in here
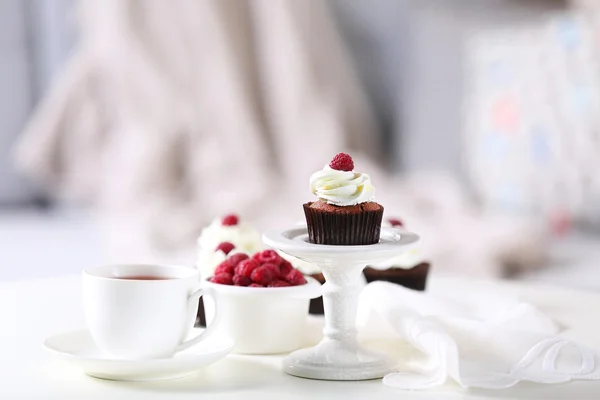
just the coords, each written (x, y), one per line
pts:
(409, 269)
(224, 236)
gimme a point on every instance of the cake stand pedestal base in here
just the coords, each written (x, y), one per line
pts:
(339, 356)
(352, 362)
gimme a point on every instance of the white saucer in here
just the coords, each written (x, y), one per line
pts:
(79, 349)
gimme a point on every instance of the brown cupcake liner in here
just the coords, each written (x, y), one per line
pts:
(344, 229)
(414, 278)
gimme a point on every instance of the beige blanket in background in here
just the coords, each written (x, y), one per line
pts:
(171, 113)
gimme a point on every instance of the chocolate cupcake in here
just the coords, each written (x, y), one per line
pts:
(345, 213)
(409, 269)
(414, 278)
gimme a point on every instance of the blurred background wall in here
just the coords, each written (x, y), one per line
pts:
(396, 45)
(37, 36)
(416, 60)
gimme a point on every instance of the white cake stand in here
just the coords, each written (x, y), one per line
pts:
(339, 356)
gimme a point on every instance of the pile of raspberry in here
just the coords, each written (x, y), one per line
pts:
(264, 269)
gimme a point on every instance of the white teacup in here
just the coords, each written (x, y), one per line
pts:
(143, 311)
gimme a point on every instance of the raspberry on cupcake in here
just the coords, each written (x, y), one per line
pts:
(395, 222)
(230, 220)
(345, 212)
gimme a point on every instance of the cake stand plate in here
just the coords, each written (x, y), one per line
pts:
(339, 356)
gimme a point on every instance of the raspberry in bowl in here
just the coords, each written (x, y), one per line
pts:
(263, 301)
(227, 235)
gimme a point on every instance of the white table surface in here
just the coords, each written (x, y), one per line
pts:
(30, 311)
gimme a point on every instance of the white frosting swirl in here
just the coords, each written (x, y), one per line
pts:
(342, 188)
(406, 260)
(243, 236)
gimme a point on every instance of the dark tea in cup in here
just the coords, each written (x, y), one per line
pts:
(144, 278)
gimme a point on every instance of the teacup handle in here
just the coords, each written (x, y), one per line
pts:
(193, 300)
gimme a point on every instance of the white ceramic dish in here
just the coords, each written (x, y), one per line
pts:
(263, 320)
(78, 348)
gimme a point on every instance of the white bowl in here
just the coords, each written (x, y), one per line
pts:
(263, 320)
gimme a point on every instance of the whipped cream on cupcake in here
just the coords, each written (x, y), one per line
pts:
(407, 260)
(346, 213)
(339, 185)
(223, 237)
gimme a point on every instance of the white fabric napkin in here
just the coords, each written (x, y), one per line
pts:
(482, 340)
